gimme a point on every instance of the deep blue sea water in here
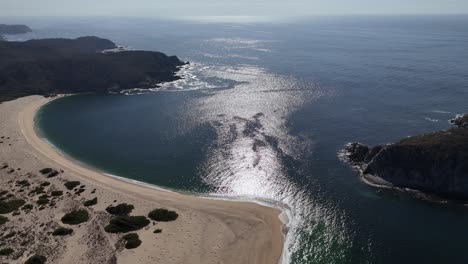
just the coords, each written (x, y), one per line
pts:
(263, 112)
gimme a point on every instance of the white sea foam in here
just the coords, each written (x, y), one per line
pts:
(431, 119)
(440, 112)
(118, 49)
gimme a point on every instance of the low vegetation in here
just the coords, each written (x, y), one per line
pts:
(62, 231)
(46, 170)
(6, 251)
(70, 185)
(49, 172)
(8, 206)
(3, 220)
(120, 209)
(27, 207)
(131, 241)
(90, 202)
(43, 201)
(36, 259)
(56, 193)
(75, 217)
(163, 215)
(125, 223)
(23, 183)
(38, 190)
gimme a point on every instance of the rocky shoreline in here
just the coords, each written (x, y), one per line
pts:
(434, 163)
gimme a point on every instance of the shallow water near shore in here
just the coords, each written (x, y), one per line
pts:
(264, 110)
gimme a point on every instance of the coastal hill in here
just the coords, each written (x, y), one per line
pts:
(14, 29)
(434, 163)
(52, 66)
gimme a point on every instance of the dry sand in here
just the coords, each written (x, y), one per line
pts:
(207, 231)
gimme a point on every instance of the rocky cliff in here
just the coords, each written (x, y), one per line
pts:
(435, 163)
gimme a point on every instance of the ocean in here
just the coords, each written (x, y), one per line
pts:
(263, 112)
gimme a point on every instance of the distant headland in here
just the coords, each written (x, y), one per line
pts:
(58, 66)
(434, 163)
(14, 29)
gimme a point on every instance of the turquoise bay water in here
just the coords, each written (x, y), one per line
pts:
(263, 112)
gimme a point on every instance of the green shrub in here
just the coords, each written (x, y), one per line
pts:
(27, 207)
(23, 183)
(70, 185)
(120, 209)
(75, 217)
(56, 193)
(39, 189)
(131, 241)
(36, 259)
(3, 192)
(43, 201)
(125, 223)
(6, 251)
(7, 207)
(157, 231)
(62, 231)
(46, 170)
(90, 202)
(44, 184)
(163, 215)
(3, 220)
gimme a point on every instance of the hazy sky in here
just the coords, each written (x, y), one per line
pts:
(270, 8)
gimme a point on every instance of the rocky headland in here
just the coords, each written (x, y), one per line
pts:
(434, 163)
(14, 29)
(67, 66)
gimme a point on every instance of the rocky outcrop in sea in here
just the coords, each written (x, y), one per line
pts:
(434, 163)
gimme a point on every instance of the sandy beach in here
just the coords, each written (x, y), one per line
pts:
(206, 231)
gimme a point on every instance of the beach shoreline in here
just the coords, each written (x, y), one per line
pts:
(241, 231)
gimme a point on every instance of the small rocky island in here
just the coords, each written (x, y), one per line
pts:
(434, 163)
(53, 66)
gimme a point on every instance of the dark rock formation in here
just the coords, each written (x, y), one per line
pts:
(52, 66)
(460, 121)
(435, 163)
(14, 29)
